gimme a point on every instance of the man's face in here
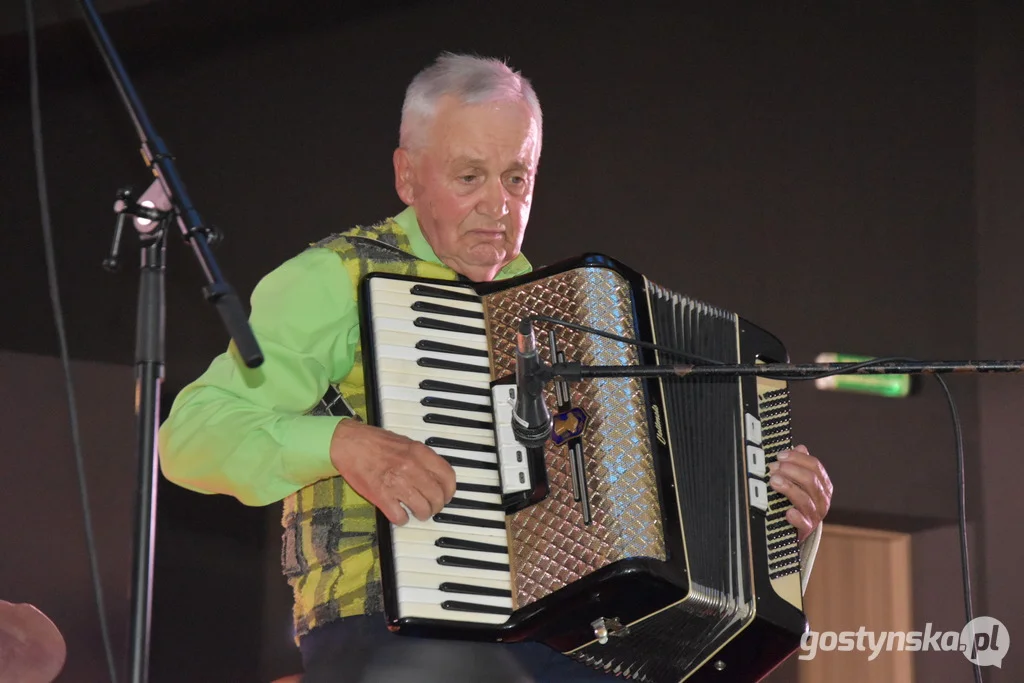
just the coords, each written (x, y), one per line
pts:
(471, 183)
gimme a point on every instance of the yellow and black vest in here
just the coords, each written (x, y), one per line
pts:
(329, 546)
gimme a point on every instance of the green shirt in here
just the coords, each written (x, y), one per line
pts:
(244, 432)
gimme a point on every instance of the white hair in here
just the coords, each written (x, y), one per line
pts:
(469, 79)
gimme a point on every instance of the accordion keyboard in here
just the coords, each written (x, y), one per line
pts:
(433, 383)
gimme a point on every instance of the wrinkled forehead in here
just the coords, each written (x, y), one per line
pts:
(503, 132)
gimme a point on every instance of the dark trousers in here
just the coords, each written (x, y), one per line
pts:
(362, 650)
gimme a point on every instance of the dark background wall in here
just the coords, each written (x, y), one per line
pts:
(844, 176)
(1000, 240)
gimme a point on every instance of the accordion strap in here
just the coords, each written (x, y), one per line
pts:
(334, 404)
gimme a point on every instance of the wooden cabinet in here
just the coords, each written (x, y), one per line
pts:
(861, 578)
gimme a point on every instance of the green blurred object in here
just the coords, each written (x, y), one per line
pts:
(890, 386)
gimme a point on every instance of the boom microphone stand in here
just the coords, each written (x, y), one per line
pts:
(163, 203)
(532, 422)
(532, 373)
(573, 372)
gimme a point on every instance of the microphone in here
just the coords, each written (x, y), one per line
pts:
(531, 420)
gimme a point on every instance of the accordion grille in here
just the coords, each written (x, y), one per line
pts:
(550, 544)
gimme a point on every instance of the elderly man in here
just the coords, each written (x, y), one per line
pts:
(466, 166)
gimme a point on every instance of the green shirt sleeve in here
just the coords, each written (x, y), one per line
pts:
(243, 432)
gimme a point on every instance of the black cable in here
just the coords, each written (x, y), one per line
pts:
(51, 271)
(627, 340)
(852, 367)
(962, 513)
(957, 432)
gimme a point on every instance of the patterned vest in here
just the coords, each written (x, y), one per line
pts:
(329, 546)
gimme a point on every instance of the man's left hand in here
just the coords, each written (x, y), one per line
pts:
(802, 479)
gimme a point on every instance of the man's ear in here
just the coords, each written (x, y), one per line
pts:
(405, 176)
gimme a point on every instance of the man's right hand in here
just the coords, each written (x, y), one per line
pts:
(388, 469)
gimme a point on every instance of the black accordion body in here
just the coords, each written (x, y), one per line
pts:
(642, 540)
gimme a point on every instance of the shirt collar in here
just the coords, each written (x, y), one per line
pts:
(421, 249)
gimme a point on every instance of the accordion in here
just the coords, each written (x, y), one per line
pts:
(642, 539)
